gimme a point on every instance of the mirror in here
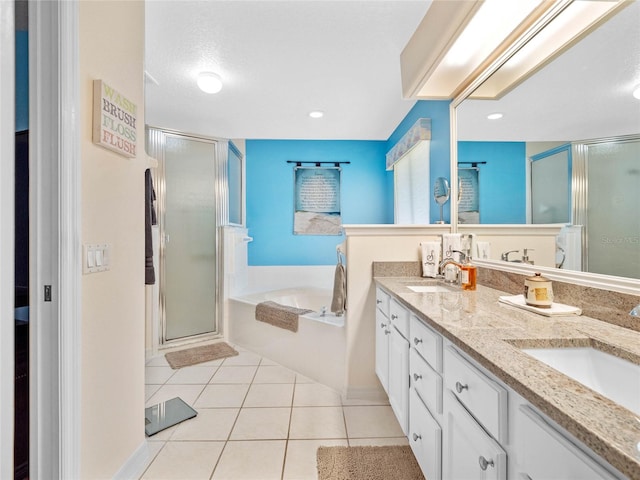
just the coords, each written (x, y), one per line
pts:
(441, 192)
(570, 110)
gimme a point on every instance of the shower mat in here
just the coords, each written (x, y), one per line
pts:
(195, 355)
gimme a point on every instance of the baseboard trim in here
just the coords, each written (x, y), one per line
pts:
(371, 394)
(138, 462)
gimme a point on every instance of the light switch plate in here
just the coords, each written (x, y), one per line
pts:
(96, 257)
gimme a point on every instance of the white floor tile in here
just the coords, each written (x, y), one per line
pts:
(377, 421)
(157, 375)
(234, 374)
(303, 379)
(243, 358)
(192, 375)
(262, 424)
(157, 361)
(317, 422)
(274, 374)
(315, 395)
(268, 362)
(185, 460)
(377, 442)
(252, 460)
(269, 395)
(209, 424)
(188, 393)
(149, 390)
(222, 396)
(351, 402)
(301, 458)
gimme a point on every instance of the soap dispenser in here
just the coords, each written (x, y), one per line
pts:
(525, 256)
(468, 272)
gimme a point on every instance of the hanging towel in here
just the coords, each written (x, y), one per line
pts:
(430, 258)
(484, 250)
(451, 242)
(282, 316)
(339, 301)
(149, 219)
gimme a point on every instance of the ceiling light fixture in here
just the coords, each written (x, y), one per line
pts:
(495, 116)
(316, 114)
(636, 92)
(465, 37)
(209, 82)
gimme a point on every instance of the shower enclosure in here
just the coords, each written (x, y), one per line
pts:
(192, 189)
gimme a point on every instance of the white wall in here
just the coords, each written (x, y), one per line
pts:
(111, 46)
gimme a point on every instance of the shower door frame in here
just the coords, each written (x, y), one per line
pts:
(221, 218)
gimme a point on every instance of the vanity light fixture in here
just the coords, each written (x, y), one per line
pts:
(316, 114)
(495, 116)
(209, 82)
(466, 37)
(636, 92)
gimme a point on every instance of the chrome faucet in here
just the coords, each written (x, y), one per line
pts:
(635, 311)
(446, 262)
(505, 256)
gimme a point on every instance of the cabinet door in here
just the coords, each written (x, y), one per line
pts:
(469, 452)
(383, 331)
(549, 455)
(399, 377)
(425, 438)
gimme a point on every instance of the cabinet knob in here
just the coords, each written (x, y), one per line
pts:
(378, 301)
(417, 340)
(460, 387)
(382, 325)
(484, 463)
(417, 437)
(387, 332)
(394, 317)
(416, 377)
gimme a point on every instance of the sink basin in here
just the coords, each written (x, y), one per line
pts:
(611, 376)
(430, 288)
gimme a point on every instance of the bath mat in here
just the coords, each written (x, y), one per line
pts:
(368, 463)
(282, 316)
(195, 355)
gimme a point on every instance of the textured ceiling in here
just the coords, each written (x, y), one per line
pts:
(585, 93)
(279, 60)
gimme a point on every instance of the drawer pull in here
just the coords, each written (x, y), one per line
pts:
(417, 437)
(460, 387)
(394, 317)
(484, 463)
(416, 377)
(378, 301)
(416, 341)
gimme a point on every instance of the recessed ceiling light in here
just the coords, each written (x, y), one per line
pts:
(494, 116)
(316, 114)
(636, 92)
(209, 82)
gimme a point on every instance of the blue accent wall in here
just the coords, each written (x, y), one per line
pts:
(440, 151)
(502, 179)
(365, 196)
(22, 80)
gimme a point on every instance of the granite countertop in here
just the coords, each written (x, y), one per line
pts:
(493, 333)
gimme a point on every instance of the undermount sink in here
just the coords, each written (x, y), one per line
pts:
(430, 288)
(615, 378)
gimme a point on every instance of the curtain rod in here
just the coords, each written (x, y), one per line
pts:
(317, 164)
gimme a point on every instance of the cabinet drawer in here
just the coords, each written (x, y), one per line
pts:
(427, 342)
(426, 382)
(485, 399)
(425, 438)
(382, 301)
(546, 453)
(399, 317)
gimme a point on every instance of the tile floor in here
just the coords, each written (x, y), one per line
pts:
(256, 421)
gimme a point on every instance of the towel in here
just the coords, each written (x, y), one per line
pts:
(556, 308)
(149, 219)
(484, 250)
(339, 301)
(451, 242)
(282, 316)
(430, 257)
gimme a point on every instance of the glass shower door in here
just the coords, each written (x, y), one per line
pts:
(189, 248)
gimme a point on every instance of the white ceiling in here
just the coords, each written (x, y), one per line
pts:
(583, 94)
(279, 60)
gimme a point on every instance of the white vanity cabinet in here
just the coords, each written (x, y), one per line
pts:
(425, 438)
(399, 363)
(383, 330)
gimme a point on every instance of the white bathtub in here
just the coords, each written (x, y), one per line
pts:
(316, 350)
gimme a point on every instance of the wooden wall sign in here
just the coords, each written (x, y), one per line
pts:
(114, 120)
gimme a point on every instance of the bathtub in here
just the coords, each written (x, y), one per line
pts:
(316, 350)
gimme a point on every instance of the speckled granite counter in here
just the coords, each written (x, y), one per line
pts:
(493, 333)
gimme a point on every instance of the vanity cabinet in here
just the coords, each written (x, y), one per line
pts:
(399, 377)
(425, 438)
(383, 330)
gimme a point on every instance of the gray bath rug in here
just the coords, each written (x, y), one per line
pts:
(368, 463)
(195, 355)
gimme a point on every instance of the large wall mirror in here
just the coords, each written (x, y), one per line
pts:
(566, 148)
